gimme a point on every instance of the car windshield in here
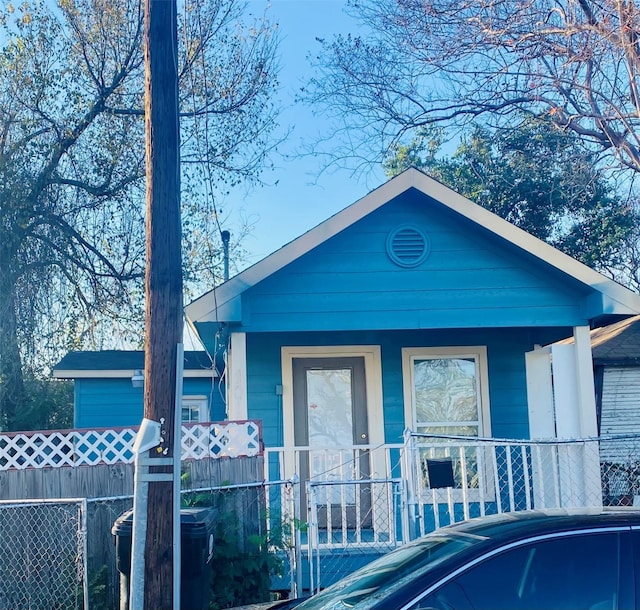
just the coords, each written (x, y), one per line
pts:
(383, 576)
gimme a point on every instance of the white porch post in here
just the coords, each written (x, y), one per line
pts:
(542, 425)
(540, 394)
(237, 380)
(587, 413)
(585, 389)
(561, 397)
(575, 412)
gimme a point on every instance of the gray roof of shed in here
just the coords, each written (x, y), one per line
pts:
(617, 342)
(121, 362)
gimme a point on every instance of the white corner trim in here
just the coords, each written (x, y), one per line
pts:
(237, 406)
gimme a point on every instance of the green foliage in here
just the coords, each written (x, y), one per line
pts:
(72, 244)
(537, 177)
(241, 571)
(48, 405)
(98, 589)
(242, 563)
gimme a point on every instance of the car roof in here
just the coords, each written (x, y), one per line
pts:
(523, 524)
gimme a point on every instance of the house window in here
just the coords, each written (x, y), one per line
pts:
(194, 409)
(445, 391)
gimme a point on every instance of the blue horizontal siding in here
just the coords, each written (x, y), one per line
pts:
(357, 319)
(470, 278)
(108, 402)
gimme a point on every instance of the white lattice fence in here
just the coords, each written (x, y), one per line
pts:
(113, 446)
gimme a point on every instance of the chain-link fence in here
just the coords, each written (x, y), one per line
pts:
(455, 478)
(620, 470)
(103, 578)
(350, 523)
(43, 555)
(61, 555)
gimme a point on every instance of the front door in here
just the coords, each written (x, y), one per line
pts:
(330, 417)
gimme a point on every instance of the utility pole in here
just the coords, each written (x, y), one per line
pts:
(163, 289)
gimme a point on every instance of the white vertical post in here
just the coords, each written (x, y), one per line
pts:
(567, 409)
(587, 415)
(237, 408)
(542, 424)
(148, 437)
(585, 384)
(540, 394)
(575, 412)
(177, 463)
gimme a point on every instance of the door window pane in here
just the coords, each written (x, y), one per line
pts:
(330, 420)
(330, 407)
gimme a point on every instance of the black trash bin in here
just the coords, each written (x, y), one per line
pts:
(196, 545)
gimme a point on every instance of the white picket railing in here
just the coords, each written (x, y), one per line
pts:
(46, 449)
(431, 481)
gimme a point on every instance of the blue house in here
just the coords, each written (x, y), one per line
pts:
(415, 309)
(108, 387)
(412, 308)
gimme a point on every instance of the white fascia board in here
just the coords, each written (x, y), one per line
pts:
(121, 374)
(229, 311)
(619, 298)
(600, 303)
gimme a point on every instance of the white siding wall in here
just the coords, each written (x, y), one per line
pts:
(620, 409)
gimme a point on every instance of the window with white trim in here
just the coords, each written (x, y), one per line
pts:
(194, 409)
(446, 390)
(446, 395)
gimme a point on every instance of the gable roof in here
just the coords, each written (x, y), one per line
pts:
(123, 363)
(615, 298)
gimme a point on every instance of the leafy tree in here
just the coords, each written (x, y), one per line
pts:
(72, 164)
(573, 63)
(48, 405)
(538, 178)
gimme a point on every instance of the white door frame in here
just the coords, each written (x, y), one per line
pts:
(373, 384)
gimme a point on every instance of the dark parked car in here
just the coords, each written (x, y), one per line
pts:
(535, 560)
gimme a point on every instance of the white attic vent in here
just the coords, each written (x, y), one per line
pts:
(407, 246)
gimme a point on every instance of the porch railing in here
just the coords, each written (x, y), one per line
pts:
(454, 478)
(378, 497)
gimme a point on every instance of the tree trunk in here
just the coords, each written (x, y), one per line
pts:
(163, 284)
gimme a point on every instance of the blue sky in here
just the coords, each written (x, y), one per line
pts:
(304, 195)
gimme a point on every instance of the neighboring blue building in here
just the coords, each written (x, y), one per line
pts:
(109, 388)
